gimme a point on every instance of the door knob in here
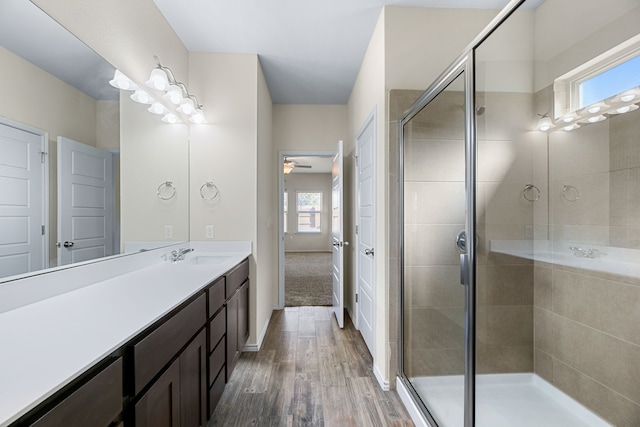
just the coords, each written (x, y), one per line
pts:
(68, 244)
(369, 252)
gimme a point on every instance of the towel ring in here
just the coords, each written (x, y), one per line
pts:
(209, 191)
(166, 191)
(570, 193)
(531, 193)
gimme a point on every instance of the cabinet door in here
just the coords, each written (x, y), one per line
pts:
(160, 405)
(83, 409)
(193, 382)
(243, 316)
(232, 333)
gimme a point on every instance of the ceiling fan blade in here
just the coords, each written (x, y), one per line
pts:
(304, 166)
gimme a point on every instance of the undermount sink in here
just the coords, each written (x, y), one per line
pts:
(206, 259)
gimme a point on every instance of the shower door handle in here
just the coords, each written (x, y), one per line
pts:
(464, 269)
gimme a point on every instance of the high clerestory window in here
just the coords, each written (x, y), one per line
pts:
(606, 85)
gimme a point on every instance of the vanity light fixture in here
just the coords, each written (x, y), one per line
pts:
(569, 128)
(157, 108)
(197, 117)
(142, 97)
(627, 96)
(594, 108)
(170, 118)
(625, 109)
(120, 81)
(544, 123)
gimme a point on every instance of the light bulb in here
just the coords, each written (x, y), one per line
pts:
(187, 106)
(122, 82)
(142, 97)
(571, 127)
(157, 108)
(544, 124)
(568, 118)
(197, 117)
(596, 119)
(625, 109)
(170, 118)
(174, 94)
(158, 79)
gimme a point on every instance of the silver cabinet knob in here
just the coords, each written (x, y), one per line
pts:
(369, 252)
(68, 244)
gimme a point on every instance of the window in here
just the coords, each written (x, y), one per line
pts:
(611, 82)
(309, 210)
(285, 209)
(607, 77)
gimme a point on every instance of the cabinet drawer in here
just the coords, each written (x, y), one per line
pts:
(217, 328)
(216, 361)
(216, 295)
(155, 350)
(236, 277)
(215, 393)
(82, 408)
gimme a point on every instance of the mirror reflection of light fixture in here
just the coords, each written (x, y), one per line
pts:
(544, 123)
(142, 97)
(176, 93)
(122, 82)
(288, 167)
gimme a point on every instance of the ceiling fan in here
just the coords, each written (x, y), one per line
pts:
(290, 165)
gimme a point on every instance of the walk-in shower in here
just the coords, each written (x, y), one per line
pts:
(527, 147)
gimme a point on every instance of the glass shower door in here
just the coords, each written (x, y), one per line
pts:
(433, 144)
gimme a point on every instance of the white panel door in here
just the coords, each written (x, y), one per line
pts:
(22, 242)
(85, 202)
(337, 234)
(365, 146)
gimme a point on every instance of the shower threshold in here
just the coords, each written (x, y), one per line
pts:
(505, 400)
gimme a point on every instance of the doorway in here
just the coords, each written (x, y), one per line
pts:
(305, 229)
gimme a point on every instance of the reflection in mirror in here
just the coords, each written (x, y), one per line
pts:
(58, 114)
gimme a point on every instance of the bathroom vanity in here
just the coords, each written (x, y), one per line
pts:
(151, 347)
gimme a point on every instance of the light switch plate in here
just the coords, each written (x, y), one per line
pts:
(209, 232)
(168, 231)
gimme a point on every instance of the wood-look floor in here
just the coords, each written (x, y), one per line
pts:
(308, 372)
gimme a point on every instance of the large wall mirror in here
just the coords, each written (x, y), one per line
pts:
(85, 172)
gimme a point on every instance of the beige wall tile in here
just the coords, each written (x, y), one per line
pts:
(625, 151)
(401, 100)
(592, 206)
(505, 325)
(610, 405)
(427, 245)
(434, 202)
(436, 286)
(609, 306)
(543, 364)
(543, 324)
(609, 360)
(542, 287)
(505, 285)
(434, 160)
(431, 329)
(503, 359)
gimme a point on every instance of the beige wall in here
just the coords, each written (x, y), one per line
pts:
(308, 127)
(266, 213)
(234, 150)
(152, 153)
(308, 242)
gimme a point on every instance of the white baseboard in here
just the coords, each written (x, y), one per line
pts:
(256, 347)
(415, 414)
(383, 384)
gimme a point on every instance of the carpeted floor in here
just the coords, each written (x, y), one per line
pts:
(308, 279)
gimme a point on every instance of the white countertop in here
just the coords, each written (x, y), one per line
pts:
(49, 343)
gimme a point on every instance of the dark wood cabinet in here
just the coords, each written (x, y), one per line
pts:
(98, 402)
(160, 405)
(172, 374)
(193, 382)
(237, 325)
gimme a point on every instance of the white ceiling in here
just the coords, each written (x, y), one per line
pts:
(310, 51)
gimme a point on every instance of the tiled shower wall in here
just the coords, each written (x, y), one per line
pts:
(587, 324)
(434, 213)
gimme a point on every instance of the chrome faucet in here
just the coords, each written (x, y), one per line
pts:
(179, 254)
(584, 253)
